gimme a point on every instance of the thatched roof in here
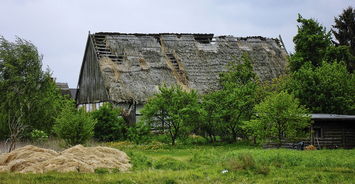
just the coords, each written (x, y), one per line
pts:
(132, 66)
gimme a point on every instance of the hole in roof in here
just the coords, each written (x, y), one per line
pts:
(203, 38)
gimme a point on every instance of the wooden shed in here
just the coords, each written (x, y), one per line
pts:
(127, 69)
(333, 131)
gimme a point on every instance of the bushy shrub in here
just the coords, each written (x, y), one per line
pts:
(110, 126)
(74, 126)
(38, 136)
(139, 133)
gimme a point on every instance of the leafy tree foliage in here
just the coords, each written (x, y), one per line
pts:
(344, 32)
(74, 126)
(340, 54)
(155, 112)
(38, 136)
(237, 75)
(173, 110)
(311, 43)
(325, 89)
(279, 116)
(240, 92)
(227, 108)
(211, 125)
(110, 125)
(235, 106)
(344, 29)
(28, 94)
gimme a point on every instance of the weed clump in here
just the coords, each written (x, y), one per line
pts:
(139, 161)
(170, 163)
(102, 171)
(170, 181)
(245, 162)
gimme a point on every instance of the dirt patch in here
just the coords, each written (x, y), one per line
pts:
(75, 159)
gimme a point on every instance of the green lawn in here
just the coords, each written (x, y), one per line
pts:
(159, 163)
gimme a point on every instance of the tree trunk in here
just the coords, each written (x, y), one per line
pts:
(173, 138)
(280, 140)
(16, 128)
(12, 145)
(234, 135)
(210, 138)
(129, 115)
(173, 141)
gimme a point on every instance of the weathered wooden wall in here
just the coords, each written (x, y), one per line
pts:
(336, 133)
(91, 85)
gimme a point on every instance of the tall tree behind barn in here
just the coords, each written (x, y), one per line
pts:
(126, 69)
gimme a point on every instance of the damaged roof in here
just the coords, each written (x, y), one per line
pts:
(131, 66)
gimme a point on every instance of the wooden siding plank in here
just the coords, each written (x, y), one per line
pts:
(91, 87)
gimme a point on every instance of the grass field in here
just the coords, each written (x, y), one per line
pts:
(161, 163)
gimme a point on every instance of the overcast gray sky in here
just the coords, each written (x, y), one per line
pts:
(59, 28)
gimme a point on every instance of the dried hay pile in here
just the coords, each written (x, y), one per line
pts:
(75, 159)
(310, 147)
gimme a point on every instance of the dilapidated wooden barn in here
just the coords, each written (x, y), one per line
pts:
(127, 69)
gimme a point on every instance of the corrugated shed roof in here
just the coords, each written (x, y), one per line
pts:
(332, 117)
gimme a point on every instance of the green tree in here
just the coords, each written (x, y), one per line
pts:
(210, 127)
(155, 112)
(240, 74)
(344, 29)
(311, 43)
(29, 98)
(340, 53)
(344, 33)
(110, 125)
(236, 105)
(74, 126)
(173, 110)
(237, 98)
(325, 89)
(278, 117)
